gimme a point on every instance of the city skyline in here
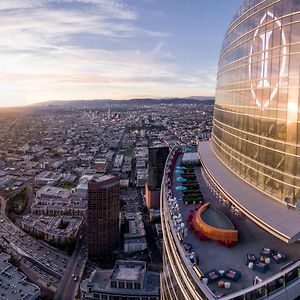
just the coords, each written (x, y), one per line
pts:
(164, 194)
(89, 49)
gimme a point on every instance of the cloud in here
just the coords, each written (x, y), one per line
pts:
(46, 27)
(47, 53)
(114, 8)
(20, 4)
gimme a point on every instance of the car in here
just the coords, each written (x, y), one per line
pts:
(75, 279)
(73, 275)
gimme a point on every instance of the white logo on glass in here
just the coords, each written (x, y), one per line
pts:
(265, 62)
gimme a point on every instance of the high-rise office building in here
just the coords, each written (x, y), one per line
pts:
(251, 166)
(157, 159)
(103, 215)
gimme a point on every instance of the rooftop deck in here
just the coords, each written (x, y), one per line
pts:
(269, 213)
(252, 239)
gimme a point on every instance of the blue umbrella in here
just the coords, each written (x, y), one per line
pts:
(179, 171)
(181, 179)
(180, 168)
(181, 188)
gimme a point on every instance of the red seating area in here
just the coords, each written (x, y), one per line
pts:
(201, 235)
(198, 233)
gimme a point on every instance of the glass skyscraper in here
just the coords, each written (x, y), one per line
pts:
(256, 129)
(256, 134)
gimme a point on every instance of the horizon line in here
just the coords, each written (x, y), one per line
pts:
(102, 99)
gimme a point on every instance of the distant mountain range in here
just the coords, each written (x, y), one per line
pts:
(101, 103)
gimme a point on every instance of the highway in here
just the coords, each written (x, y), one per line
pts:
(38, 259)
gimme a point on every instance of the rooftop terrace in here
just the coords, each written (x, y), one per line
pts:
(273, 215)
(252, 238)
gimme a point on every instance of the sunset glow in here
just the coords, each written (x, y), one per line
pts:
(87, 49)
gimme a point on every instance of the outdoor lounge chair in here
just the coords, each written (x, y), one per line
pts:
(213, 276)
(232, 274)
(250, 258)
(261, 267)
(278, 257)
(266, 252)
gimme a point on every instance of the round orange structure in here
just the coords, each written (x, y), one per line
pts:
(214, 225)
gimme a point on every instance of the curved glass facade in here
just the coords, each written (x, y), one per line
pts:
(256, 129)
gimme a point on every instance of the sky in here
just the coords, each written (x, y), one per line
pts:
(110, 49)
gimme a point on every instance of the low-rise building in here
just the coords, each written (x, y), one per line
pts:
(54, 201)
(141, 152)
(118, 161)
(101, 165)
(135, 238)
(152, 197)
(154, 214)
(76, 207)
(13, 284)
(47, 177)
(50, 192)
(54, 229)
(140, 163)
(4, 181)
(128, 280)
(82, 187)
(141, 177)
(126, 168)
(135, 245)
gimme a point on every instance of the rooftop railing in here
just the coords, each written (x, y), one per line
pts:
(285, 279)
